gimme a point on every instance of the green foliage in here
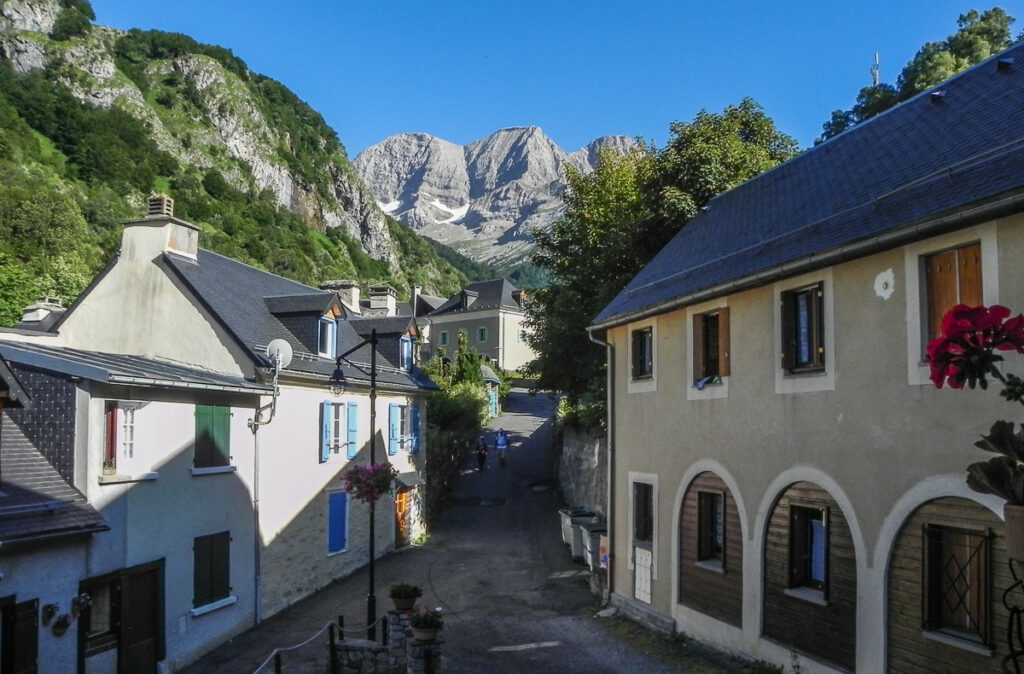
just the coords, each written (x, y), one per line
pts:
(472, 270)
(467, 362)
(980, 36)
(73, 21)
(424, 266)
(617, 218)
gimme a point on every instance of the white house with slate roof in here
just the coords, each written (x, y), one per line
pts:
(785, 482)
(165, 298)
(493, 315)
(121, 522)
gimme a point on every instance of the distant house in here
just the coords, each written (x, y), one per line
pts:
(492, 314)
(112, 444)
(165, 299)
(785, 480)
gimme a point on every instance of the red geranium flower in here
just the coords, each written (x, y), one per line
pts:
(964, 352)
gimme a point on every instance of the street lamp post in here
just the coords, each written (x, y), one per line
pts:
(337, 384)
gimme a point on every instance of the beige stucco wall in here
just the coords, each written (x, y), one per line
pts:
(502, 344)
(878, 443)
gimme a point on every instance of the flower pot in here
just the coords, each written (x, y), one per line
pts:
(1014, 515)
(404, 603)
(425, 633)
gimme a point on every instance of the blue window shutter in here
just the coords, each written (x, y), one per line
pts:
(406, 358)
(325, 431)
(415, 428)
(337, 509)
(394, 423)
(353, 430)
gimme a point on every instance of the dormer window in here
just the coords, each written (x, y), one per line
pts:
(327, 337)
(405, 354)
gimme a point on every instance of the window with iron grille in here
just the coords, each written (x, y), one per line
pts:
(711, 527)
(956, 582)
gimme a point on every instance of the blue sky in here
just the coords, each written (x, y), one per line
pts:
(578, 69)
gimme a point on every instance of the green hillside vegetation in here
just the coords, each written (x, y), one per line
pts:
(71, 173)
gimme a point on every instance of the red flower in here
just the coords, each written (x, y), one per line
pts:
(963, 354)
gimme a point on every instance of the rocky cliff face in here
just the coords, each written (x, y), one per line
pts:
(483, 198)
(232, 128)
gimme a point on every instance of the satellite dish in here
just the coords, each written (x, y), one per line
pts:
(280, 352)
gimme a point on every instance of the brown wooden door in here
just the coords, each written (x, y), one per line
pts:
(402, 517)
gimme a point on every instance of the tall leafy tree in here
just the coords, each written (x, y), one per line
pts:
(617, 218)
(980, 36)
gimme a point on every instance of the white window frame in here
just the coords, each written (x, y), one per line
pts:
(715, 391)
(442, 338)
(648, 384)
(651, 479)
(918, 371)
(339, 432)
(332, 329)
(806, 382)
(481, 334)
(128, 463)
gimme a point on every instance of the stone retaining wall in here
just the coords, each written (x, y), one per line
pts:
(400, 655)
(583, 470)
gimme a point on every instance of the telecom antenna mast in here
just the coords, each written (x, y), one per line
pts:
(874, 72)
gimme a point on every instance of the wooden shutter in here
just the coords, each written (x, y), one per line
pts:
(221, 417)
(325, 431)
(24, 633)
(699, 366)
(969, 272)
(415, 422)
(353, 430)
(220, 565)
(394, 426)
(788, 330)
(202, 550)
(942, 289)
(723, 342)
(337, 507)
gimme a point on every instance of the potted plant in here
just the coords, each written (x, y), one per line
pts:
(404, 596)
(369, 483)
(965, 354)
(426, 623)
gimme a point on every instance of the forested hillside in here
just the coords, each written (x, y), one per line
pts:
(93, 120)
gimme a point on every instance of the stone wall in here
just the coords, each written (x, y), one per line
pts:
(583, 470)
(400, 654)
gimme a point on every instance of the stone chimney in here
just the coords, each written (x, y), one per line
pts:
(347, 290)
(159, 232)
(42, 314)
(383, 300)
(416, 290)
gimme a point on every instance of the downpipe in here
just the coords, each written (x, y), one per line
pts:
(610, 436)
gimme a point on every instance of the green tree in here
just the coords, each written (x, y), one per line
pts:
(617, 218)
(980, 36)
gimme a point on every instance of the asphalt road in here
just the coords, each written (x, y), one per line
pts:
(513, 599)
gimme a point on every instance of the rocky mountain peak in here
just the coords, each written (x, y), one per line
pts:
(483, 198)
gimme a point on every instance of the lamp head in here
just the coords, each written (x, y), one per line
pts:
(336, 384)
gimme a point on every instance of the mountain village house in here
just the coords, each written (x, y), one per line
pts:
(785, 480)
(156, 402)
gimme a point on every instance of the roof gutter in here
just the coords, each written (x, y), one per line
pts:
(51, 536)
(850, 251)
(192, 386)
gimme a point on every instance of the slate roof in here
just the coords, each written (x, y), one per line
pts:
(390, 325)
(236, 295)
(36, 501)
(14, 394)
(122, 369)
(494, 294)
(956, 147)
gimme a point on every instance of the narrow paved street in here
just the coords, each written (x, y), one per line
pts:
(514, 600)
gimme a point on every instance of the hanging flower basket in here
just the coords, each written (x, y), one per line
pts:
(369, 483)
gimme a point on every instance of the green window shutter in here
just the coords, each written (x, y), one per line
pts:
(353, 430)
(222, 435)
(204, 436)
(201, 577)
(213, 436)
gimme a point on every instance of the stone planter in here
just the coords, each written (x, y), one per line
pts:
(425, 633)
(1014, 516)
(404, 603)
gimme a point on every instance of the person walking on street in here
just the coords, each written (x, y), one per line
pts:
(481, 453)
(501, 442)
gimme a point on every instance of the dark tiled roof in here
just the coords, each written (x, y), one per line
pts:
(235, 294)
(392, 325)
(36, 501)
(15, 395)
(313, 302)
(121, 369)
(497, 293)
(926, 158)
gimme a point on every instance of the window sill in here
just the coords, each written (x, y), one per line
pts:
(958, 642)
(710, 565)
(336, 553)
(808, 594)
(213, 606)
(214, 470)
(121, 479)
